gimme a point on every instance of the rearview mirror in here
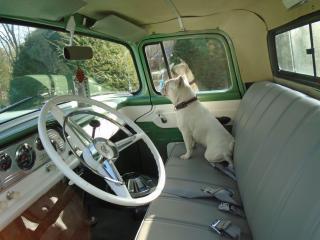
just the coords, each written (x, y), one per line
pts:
(77, 53)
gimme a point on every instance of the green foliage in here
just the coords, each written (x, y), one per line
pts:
(42, 54)
(111, 66)
(4, 78)
(207, 60)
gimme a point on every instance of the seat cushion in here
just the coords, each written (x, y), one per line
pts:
(196, 169)
(176, 218)
(176, 214)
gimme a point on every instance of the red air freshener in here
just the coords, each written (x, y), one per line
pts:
(80, 77)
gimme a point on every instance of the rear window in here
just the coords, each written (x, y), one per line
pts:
(297, 52)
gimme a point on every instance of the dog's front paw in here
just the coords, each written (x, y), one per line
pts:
(185, 156)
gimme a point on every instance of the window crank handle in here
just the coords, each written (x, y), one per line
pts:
(162, 118)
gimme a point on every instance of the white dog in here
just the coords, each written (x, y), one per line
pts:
(197, 124)
(182, 69)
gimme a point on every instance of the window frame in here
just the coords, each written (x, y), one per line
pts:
(232, 65)
(60, 27)
(305, 79)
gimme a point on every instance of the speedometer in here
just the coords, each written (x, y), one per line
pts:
(56, 140)
(25, 157)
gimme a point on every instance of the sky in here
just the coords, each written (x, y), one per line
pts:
(20, 31)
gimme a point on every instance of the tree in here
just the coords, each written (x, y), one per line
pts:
(4, 78)
(11, 38)
(207, 60)
(111, 67)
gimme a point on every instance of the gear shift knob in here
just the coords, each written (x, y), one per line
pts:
(94, 123)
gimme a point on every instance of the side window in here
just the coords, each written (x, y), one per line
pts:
(316, 42)
(203, 62)
(298, 53)
(292, 51)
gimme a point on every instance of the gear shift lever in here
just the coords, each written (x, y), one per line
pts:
(94, 123)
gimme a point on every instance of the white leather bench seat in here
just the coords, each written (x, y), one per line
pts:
(277, 162)
(174, 216)
(195, 169)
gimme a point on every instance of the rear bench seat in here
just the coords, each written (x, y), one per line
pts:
(277, 163)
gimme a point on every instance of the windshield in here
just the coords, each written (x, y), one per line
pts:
(33, 69)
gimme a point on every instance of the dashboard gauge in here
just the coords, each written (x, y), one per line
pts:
(56, 140)
(5, 162)
(25, 157)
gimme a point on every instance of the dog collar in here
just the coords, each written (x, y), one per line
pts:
(185, 103)
(192, 82)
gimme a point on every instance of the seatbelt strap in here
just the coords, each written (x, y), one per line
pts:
(235, 210)
(226, 228)
(227, 170)
(221, 194)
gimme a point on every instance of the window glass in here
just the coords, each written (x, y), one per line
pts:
(300, 39)
(284, 52)
(203, 61)
(292, 51)
(316, 42)
(157, 65)
(33, 69)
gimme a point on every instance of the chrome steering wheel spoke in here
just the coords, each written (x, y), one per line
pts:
(126, 142)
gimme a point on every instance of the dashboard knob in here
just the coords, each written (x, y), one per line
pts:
(38, 144)
(50, 167)
(13, 195)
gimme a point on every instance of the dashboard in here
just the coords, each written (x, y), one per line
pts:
(26, 172)
(25, 156)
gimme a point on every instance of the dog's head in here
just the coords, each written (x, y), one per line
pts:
(177, 90)
(182, 69)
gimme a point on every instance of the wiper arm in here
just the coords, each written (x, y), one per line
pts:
(20, 102)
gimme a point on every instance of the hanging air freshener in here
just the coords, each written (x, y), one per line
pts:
(81, 84)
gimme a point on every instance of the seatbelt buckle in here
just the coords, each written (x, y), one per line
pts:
(219, 225)
(224, 207)
(225, 228)
(235, 210)
(212, 191)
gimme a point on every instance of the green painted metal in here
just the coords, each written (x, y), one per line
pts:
(237, 89)
(20, 131)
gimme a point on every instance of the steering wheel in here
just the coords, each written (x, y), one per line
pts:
(98, 154)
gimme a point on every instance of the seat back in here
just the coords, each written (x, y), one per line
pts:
(277, 160)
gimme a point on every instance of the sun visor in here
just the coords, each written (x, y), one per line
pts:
(115, 26)
(44, 9)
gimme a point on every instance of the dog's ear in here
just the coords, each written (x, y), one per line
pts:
(180, 81)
